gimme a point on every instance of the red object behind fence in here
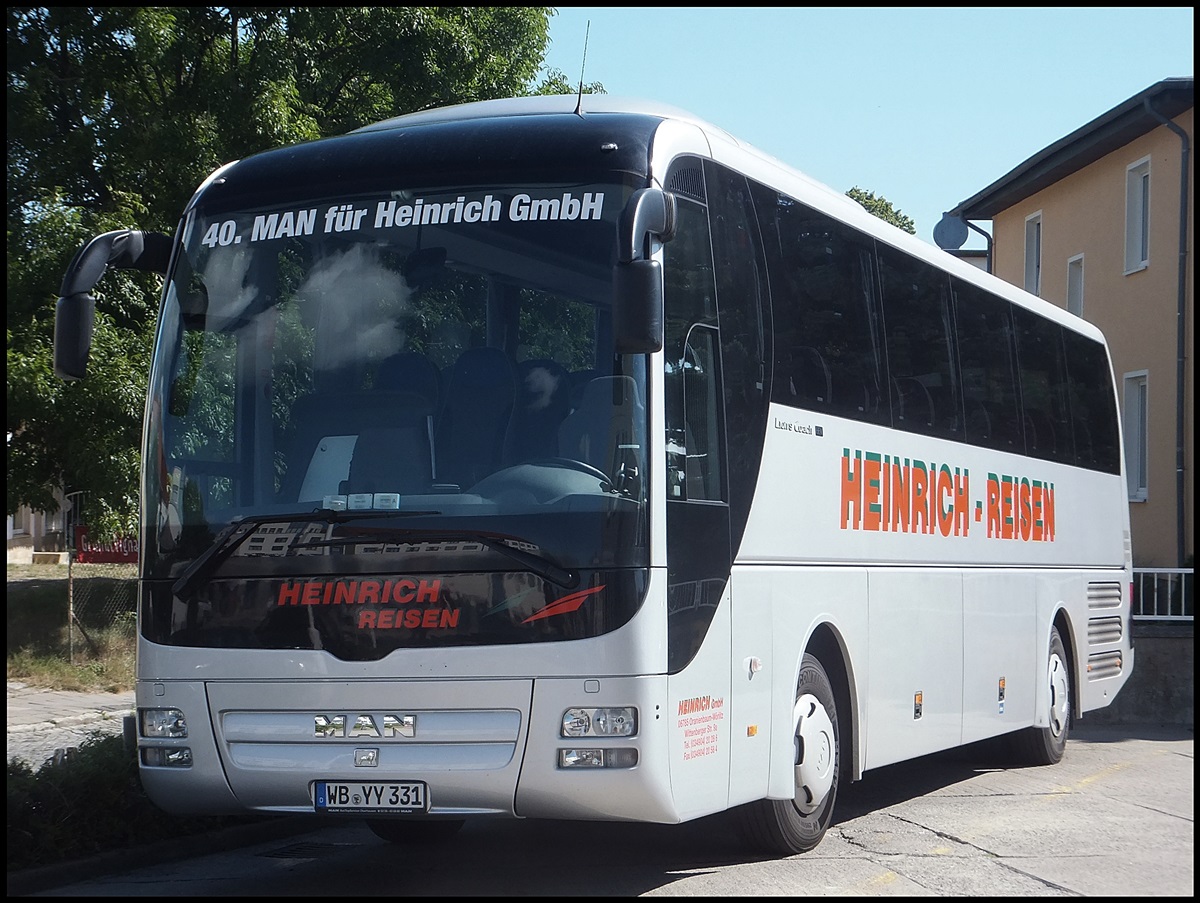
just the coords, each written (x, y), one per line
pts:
(122, 550)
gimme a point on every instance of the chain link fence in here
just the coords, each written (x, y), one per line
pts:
(101, 606)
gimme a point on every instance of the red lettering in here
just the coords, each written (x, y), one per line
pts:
(1026, 510)
(900, 497)
(993, 506)
(1048, 511)
(921, 520)
(871, 507)
(428, 591)
(289, 594)
(945, 500)
(387, 617)
(1006, 508)
(366, 618)
(851, 490)
(962, 503)
(404, 590)
(312, 594)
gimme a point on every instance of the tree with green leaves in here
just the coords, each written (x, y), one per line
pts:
(116, 114)
(882, 208)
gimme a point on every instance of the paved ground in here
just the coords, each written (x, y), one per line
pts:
(42, 722)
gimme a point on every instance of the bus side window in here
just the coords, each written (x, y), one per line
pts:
(1093, 404)
(919, 337)
(824, 313)
(987, 362)
(1044, 405)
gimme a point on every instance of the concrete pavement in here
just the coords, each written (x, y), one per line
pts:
(42, 722)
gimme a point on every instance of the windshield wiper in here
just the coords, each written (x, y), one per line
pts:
(532, 562)
(238, 531)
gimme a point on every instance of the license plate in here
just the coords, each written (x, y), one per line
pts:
(371, 796)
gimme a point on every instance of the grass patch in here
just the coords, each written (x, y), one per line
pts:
(96, 651)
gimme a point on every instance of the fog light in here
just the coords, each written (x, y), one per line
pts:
(597, 758)
(613, 721)
(167, 757)
(163, 724)
(581, 758)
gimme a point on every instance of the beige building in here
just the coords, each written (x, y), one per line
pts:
(1101, 223)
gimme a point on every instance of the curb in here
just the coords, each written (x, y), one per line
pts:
(70, 720)
(60, 874)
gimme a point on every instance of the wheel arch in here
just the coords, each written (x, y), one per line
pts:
(1062, 621)
(829, 646)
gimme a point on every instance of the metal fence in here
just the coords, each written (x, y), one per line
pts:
(101, 598)
(1164, 594)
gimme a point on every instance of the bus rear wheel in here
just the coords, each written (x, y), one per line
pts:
(426, 830)
(797, 825)
(1046, 745)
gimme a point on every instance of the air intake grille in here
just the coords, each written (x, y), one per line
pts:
(688, 181)
(1104, 630)
(1104, 595)
(1103, 664)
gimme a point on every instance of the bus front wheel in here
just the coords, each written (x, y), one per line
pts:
(797, 825)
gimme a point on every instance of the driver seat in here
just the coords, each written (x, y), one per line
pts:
(607, 426)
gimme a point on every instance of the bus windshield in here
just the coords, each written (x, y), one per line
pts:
(345, 383)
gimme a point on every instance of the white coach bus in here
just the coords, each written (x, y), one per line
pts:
(568, 458)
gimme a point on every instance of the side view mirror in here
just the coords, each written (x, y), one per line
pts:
(75, 312)
(637, 280)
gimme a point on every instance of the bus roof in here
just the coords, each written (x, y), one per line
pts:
(783, 175)
(539, 105)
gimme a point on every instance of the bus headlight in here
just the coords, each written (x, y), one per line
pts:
(614, 721)
(163, 724)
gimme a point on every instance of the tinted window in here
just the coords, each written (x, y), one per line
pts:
(1043, 388)
(987, 362)
(827, 352)
(1093, 405)
(920, 350)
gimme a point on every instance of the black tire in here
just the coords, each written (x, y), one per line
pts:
(798, 825)
(425, 830)
(1046, 745)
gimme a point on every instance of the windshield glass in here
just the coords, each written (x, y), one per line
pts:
(436, 364)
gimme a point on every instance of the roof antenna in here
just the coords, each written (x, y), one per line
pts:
(579, 102)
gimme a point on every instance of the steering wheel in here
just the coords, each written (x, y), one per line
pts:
(573, 464)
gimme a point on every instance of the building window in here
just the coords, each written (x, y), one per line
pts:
(1075, 285)
(1137, 216)
(1033, 254)
(1136, 433)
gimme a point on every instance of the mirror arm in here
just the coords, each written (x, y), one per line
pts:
(649, 211)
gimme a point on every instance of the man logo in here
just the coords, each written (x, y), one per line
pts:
(372, 726)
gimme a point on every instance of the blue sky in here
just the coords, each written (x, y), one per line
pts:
(922, 106)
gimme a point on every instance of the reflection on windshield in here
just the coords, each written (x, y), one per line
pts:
(443, 356)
